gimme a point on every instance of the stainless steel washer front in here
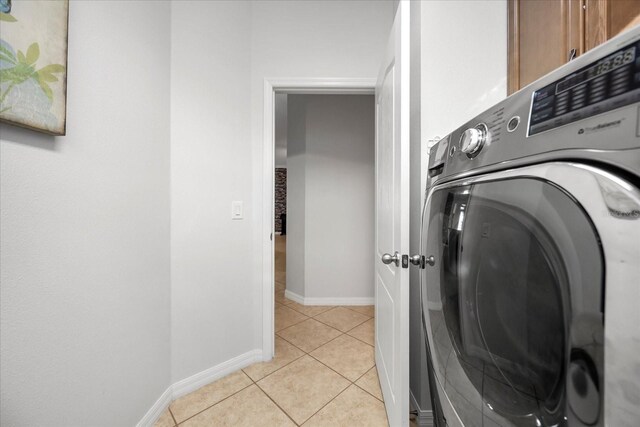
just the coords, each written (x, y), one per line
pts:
(527, 263)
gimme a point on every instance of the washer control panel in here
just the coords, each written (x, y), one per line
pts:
(473, 139)
(587, 109)
(609, 83)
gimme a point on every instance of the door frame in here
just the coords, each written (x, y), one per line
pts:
(300, 86)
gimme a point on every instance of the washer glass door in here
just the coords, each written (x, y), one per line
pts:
(516, 283)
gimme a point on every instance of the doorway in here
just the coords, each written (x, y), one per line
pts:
(323, 339)
(275, 87)
(324, 192)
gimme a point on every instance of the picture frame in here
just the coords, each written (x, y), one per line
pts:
(33, 64)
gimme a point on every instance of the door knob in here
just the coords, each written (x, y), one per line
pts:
(417, 260)
(388, 259)
(431, 260)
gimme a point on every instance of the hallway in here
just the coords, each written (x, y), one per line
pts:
(323, 373)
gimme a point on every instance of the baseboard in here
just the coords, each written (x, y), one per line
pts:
(328, 301)
(294, 297)
(424, 418)
(196, 381)
(340, 301)
(212, 374)
(157, 409)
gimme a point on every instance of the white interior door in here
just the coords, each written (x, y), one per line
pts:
(392, 221)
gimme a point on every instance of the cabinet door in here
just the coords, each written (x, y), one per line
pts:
(542, 35)
(607, 18)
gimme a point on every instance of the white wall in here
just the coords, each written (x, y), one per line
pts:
(280, 129)
(332, 137)
(304, 39)
(213, 292)
(85, 232)
(464, 71)
(221, 53)
(464, 61)
(296, 193)
(90, 322)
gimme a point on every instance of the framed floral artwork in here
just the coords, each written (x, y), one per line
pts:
(33, 64)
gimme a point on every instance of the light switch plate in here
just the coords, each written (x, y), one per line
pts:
(237, 210)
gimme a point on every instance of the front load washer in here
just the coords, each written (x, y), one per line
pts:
(531, 243)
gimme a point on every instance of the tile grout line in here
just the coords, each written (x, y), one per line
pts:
(374, 365)
(331, 340)
(319, 361)
(330, 307)
(308, 318)
(308, 352)
(325, 324)
(220, 401)
(322, 363)
(283, 338)
(333, 327)
(280, 330)
(277, 406)
(305, 353)
(352, 382)
(269, 397)
(329, 367)
(326, 366)
(349, 330)
(366, 391)
(320, 321)
(344, 332)
(323, 406)
(175, 423)
(349, 385)
(349, 307)
(356, 338)
(360, 377)
(282, 367)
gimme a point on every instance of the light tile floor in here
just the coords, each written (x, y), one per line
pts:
(323, 374)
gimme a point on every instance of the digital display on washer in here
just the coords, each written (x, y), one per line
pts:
(605, 85)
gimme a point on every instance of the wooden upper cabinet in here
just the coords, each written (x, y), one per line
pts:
(541, 36)
(544, 34)
(607, 18)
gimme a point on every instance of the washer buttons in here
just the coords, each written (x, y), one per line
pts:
(513, 123)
